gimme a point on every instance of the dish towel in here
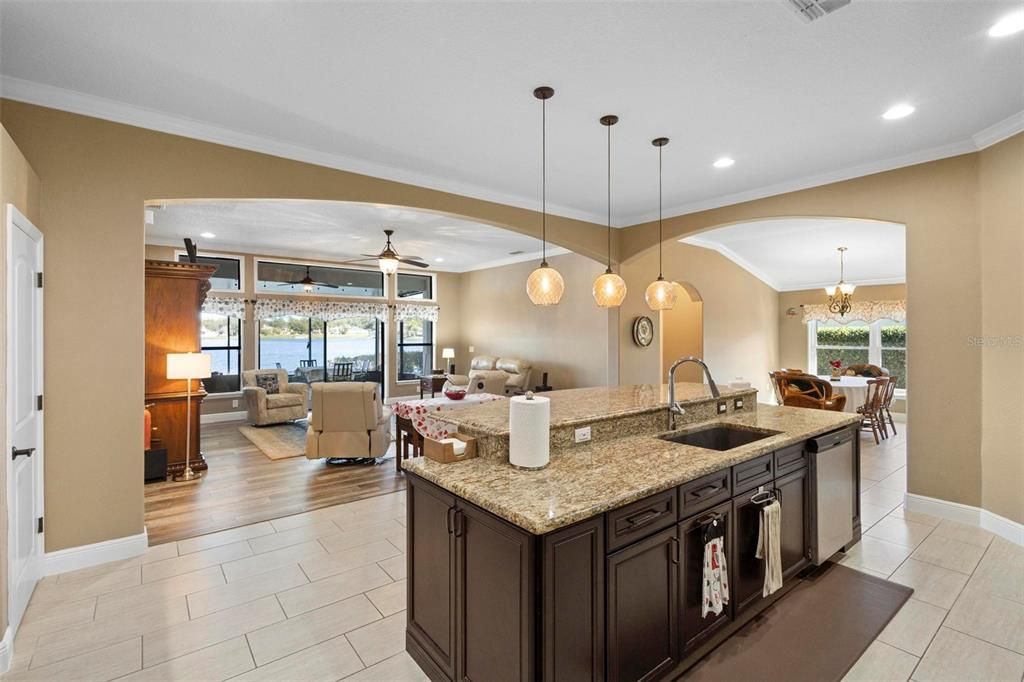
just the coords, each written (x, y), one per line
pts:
(716, 578)
(768, 547)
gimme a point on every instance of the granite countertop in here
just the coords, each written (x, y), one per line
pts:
(587, 480)
(582, 405)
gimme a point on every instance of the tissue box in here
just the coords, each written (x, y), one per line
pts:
(445, 452)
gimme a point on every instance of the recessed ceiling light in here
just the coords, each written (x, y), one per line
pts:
(439, 260)
(207, 235)
(724, 162)
(1008, 25)
(897, 111)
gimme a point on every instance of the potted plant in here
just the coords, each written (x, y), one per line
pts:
(837, 369)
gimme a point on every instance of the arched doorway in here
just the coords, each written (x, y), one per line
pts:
(682, 332)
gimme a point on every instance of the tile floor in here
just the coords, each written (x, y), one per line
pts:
(321, 596)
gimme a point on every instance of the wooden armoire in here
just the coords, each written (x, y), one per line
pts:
(174, 296)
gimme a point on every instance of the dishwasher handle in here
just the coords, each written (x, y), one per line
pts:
(827, 441)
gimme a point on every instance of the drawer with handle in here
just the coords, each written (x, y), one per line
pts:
(749, 475)
(640, 519)
(790, 459)
(704, 492)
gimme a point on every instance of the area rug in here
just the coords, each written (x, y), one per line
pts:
(814, 634)
(280, 441)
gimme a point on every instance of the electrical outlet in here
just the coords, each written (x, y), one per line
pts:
(472, 349)
(723, 407)
(234, 403)
(737, 404)
(583, 434)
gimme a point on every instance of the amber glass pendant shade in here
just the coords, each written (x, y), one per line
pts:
(609, 290)
(545, 286)
(661, 294)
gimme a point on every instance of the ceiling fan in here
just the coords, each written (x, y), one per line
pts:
(388, 259)
(307, 283)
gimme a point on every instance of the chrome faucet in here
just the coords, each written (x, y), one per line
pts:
(674, 408)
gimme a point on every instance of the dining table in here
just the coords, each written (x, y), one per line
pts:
(854, 388)
(417, 419)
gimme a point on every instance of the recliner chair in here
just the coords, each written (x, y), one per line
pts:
(349, 422)
(488, 374)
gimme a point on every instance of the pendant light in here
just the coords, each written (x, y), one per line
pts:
(545, 285)
(661, 294)
(609, 288)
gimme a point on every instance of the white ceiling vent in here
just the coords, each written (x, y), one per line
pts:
(812, 10)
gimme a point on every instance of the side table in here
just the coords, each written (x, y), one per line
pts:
(432, 383)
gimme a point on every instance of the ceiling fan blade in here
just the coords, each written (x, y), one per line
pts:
(414, 258)
(370, 256)
(413, 262)
(289, 284)
(325, 284)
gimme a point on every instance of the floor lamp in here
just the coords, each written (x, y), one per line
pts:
(188, 366)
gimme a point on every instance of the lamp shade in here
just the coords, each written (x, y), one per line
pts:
(448, 353)
(388, 266)
(609, 290)
(661, 294)
(188, 365)
(545, 286)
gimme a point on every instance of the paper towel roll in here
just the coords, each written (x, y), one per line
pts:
(529, 424)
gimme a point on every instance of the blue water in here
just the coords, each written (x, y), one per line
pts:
(288, 351)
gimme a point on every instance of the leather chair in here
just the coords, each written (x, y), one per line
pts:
(798, 389)
(263, 408)
(349, 422)
(488, 374)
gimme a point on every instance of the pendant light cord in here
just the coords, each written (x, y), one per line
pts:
(660, 273)
(609, 198)
(544, 181)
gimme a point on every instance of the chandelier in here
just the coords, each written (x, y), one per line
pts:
(839, 294)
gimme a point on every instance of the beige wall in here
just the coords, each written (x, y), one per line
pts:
(569, 341)
(19, 185)
(98, 174)
(1001, 195)
(740, 316)
(682, 334)
(938, 203)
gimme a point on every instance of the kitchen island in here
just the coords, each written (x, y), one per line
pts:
(592, 567)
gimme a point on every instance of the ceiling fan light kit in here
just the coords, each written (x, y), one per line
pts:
(545, 285)
(660, 294)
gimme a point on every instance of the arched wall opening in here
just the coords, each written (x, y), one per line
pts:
(682, 332)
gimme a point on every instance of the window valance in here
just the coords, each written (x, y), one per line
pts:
(233, 306)
(323, 310)
(416, 311)
(865, 311)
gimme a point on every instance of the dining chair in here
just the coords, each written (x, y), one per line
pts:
(307, 363)
(341, 371)
(890, 392)
(806, 390)
(871, 411)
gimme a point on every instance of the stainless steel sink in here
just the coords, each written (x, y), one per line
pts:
(721, 437)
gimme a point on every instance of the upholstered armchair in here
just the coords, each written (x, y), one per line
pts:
(349, 422)
(270, 399)
(488, 374)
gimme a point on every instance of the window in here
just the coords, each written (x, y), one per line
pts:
(221, 338)
(308, 348)
(415, 337)
(882, 343)
(287, 342)
(284, 278)
(228, 276)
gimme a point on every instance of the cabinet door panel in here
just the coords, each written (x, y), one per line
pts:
(431, 582)
(794, 494)
(495, 599)
(643, 608)
(696, 628)
(747, 569)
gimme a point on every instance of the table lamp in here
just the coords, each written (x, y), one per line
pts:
(449, 354)
(188, 366)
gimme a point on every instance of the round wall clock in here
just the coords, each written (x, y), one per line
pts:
(643, 331)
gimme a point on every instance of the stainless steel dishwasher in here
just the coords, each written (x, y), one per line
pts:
(832, 490)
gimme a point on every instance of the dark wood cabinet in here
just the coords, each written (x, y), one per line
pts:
(573, 602)
(793, 491)
(494, 598)
(747, 569)
(431, 577)
(696, 629)
(643, 608)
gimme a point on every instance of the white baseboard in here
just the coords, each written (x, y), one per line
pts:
(6, 650)
(218, 417)
(73, 558)
(964, 513)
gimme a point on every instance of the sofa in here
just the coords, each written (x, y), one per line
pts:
(349, 421)
(489, 374)
(271, 399)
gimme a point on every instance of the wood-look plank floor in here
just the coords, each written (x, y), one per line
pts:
(244, 486)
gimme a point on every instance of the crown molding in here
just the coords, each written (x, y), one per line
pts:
(878, 281)
(76, 102)
(998, 132)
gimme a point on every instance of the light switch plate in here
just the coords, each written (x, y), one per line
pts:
(737, 404)
(234, 403)
(583, 434)
(472, 349)
(723, 407)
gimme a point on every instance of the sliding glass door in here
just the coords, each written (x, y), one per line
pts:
(309, 349)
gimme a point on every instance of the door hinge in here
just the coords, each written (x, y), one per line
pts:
(39, 525)
(39, 402)
(39, 280)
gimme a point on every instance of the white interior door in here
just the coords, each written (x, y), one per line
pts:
(24, 416)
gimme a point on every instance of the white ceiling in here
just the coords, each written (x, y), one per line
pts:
(339, 231)
(790, 254)
(439, 93)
